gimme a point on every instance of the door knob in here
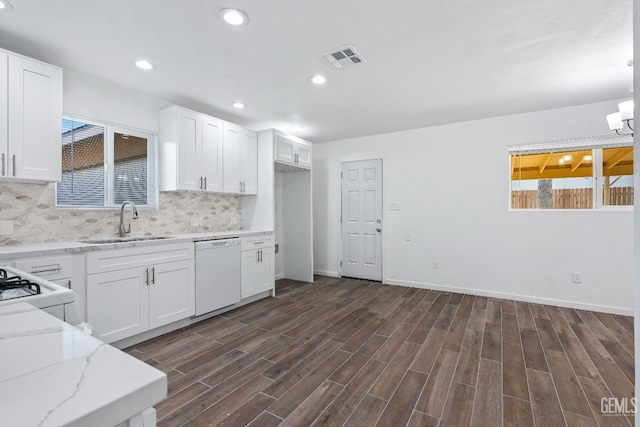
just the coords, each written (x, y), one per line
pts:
(378, 229)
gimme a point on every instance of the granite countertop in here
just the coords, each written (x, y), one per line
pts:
(72, 247)
(56, 375)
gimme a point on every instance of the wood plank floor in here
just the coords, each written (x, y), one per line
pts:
(356, 353)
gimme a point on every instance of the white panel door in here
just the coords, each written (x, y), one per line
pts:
(231, 155)
(248, 262)
(249, 157)
(264, 277)
(304, 155)
(285, 150)
(171, 292)
(189, 150)
(362, 219)
(35, 120)
(118, 304)
(211, 154)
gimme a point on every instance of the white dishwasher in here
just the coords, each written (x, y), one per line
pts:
(217, 274)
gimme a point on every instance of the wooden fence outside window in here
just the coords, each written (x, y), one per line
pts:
(571, 198)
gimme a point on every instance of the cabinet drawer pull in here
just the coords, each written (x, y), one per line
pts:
(258, 243)
(46, 270)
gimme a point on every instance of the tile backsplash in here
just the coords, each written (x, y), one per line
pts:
(31, 209)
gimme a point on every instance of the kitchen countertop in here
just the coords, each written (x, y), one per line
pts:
(56, 375)
(73, 247)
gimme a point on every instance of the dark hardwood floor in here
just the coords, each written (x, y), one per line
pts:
(356, 353)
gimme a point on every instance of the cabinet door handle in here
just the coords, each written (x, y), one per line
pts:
(205, 182)
(147, 273)
(3, 167)
(47, 270)
(153, 275)
(260, 255)
(14, 165)
(200, 183)
(69, 284)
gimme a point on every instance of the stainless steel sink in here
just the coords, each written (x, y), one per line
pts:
(105, 240)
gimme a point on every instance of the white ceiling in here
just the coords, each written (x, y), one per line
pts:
(428, 62)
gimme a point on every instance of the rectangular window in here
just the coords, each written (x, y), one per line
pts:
(578, 174)
(104, 165)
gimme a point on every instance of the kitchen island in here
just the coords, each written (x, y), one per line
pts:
(56, 375)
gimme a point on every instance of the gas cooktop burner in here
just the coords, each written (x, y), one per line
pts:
(16, 287)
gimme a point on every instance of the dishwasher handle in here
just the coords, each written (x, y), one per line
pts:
(214, 244)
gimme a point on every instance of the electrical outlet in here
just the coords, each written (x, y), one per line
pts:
(435, 264)
(6, 228)
(576, 277)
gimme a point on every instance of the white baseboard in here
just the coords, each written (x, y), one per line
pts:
(326, 273)
(504, 295)
(279, 276)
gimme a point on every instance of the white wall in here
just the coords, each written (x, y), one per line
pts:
(452, 184)
(91, 98)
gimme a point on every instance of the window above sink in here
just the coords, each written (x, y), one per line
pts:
(104, 165)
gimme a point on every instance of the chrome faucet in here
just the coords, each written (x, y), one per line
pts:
(124, 230)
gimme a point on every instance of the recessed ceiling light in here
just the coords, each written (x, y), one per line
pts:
(238, 105)
(318, 79)
(5, 6)
(234, 17)
(145, 65)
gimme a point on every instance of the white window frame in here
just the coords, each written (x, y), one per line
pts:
(596, 144)
(109, 165)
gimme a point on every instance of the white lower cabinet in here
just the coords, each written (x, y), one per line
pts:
(257, 266)
(118, 304)
(125, 302)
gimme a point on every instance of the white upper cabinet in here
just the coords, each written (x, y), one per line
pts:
(189, 137)
(190, 151)
(202, 153)
(292, 151)
(240, 154)
(212, 153)
(30, 119)
(249, 157)
(231, 154)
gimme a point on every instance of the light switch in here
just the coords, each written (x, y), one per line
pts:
(394, 206)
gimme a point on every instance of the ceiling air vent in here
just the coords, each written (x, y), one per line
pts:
(342, 57)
